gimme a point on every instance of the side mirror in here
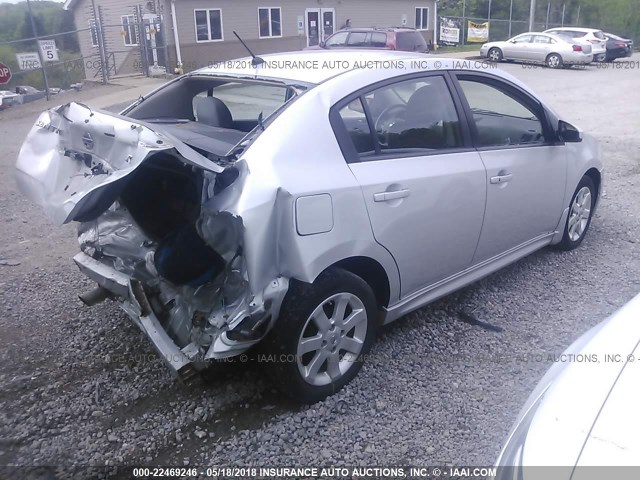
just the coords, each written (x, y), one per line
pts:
(322, 44)
(568, 133)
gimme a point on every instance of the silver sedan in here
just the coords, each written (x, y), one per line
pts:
(298, 201)
(554, 51)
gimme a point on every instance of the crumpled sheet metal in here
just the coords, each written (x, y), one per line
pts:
(84, 151)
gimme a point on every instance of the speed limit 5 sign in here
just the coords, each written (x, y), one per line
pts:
(49, 50)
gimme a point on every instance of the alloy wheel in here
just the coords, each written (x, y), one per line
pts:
(579, 214)
(331, 339)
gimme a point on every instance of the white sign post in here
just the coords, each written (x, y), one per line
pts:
(49, 50)
(28, 61)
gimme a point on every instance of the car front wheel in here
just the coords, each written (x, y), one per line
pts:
(580, 213)
(495, 55)
(324, 329)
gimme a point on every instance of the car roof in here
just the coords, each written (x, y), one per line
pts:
(575, 29)
(310, 66)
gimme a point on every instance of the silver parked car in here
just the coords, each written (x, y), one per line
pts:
(554, 51)
(592, 36)
(301, 200)
(583, 413)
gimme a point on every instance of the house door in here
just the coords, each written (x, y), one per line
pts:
(320, 23)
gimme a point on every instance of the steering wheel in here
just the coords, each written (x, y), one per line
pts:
(385, 120)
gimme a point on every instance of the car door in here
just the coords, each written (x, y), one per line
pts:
(517, 48)
(421, 180)
(526, 168)
(540, 47)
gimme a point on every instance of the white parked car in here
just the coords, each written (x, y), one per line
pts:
(302, 201)
(595, 37)
(555, 51)
(584, 411)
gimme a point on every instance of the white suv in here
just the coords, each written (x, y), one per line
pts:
(595, 37)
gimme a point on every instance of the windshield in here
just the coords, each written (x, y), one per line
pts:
(215, 102)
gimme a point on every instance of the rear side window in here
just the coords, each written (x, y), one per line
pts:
(500, 119)
(411, 117)
(355, 121)
(410, 41)
(599, 35)
(357, 39)
(378, 39)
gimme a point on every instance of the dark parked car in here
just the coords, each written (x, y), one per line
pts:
(618, 47)
(29, 93)
(390, 38)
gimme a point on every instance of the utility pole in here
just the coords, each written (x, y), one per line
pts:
(464, 7)
(532, 15)
(35, 34)
(578, 19)
(563, 5)
(510, 16)
(546, 25)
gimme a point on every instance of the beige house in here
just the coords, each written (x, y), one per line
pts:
(196, 33)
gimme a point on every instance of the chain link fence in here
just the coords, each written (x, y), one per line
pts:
(99, 52)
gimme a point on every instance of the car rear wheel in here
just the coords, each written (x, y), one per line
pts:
(324, 329)
(554, 61)
(580, 213)
(495, 55)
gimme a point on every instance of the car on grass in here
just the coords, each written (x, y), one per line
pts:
(618, 47)
(296, 202)
(554, 51)
(377, 38)
(591, 35)
(582, 414)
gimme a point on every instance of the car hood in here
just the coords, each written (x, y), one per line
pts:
(584, 401)
(74, 158)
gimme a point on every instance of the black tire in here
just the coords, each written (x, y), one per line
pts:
(567, 243)
(497, 54)
(554, 60)
(282, 342)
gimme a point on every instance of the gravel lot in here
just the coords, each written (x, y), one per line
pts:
(82, 386)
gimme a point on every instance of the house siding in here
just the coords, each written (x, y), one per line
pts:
(242, 16)
(121, 59)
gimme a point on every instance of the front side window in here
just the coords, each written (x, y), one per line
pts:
(208, 25)
(269, 22)
(337, 40)
(500, 119)
(129, 30)
(422, 18)
(522, 39)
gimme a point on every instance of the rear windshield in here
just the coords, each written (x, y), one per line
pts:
(410, 41)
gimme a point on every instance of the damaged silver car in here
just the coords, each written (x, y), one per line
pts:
(300, 200)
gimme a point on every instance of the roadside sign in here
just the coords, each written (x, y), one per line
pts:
(5, 74)
(49, 50)
(28, 61)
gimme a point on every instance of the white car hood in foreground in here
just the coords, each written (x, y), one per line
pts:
(584, 410)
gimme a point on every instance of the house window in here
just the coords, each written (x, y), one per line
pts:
(269, 23)
(208, 25)
(93, 30)
(129, 30)
(422, 18)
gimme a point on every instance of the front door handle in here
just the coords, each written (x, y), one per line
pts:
(501, 178)
(386, 196)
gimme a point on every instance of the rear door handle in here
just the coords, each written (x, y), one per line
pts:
(386, 196)
(501, 178)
